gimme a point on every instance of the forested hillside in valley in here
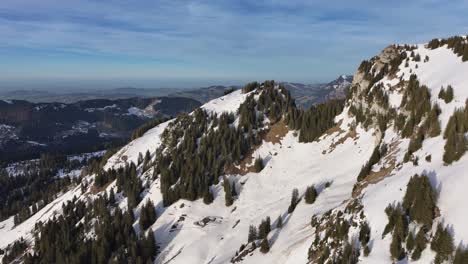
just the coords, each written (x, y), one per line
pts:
(250, 177)
(30, 129)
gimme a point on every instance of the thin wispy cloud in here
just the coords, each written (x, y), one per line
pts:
(209, 40)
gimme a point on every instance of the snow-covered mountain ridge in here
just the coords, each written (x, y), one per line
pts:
(392, 127)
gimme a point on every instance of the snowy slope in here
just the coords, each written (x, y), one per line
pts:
(266, 194)
(443, 68)
(336, 158)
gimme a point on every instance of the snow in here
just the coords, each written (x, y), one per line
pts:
(138, 112)
(35, 143)
(9, 233)
(114, 106)
(149, 141)
(266, 194)
(227, 103)
(443, 68)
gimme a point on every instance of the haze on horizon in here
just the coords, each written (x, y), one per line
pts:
(53, 44)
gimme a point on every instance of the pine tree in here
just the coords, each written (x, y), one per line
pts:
(410, 243)
(147, 215)
(264, 246)
(442, 243)
(461, 255)
(396, 251)
(465, 53)
(149, 249)
(264, 228)
(258, 165)
(420, 244)
(112, 197)
(442, 93)
(228, 192)
(140, 158)
(279, 222)
(449, 94)
(420, 200)
(208, 197)
(233, 189)
(367, 250)
(364, 233)
(252, 234)
(294, 200)
(310, 195)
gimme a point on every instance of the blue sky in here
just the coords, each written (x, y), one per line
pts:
(60, 44)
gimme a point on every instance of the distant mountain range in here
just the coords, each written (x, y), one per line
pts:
(305, 94)
(203, 94)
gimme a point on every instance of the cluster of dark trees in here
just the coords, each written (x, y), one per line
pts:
(262, 234)
(446, 94)
(66, 239)
(129, 184)
(377, 154)
(24, 194)
(456, 142)
(332, 246)
(312, 123)
(196, 149)
(294, 200)
(417, 102)
(13, 251)
(230, 191)
(193, 165)
(147, 215)
(458, 44)
(364, 237)
(419, 206)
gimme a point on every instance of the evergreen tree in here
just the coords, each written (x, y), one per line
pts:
(364, 233)
(396, 251)
(465, 53)
(420, 244)
(279, 222)
(420, 200)
(410, 243)
(233, 189)
(461, 255)
(442, 244)
(228, 192)
(140, 158)
(367, 250)
(252, 234)
(208, 197)
(148, 246)
(449, 94)
(258, 165)
(147, 215)
(310, 195)
(112, 197)
(264, 246)
(294, 200)
(264, 228)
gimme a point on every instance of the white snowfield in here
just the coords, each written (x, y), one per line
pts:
(183, 236)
